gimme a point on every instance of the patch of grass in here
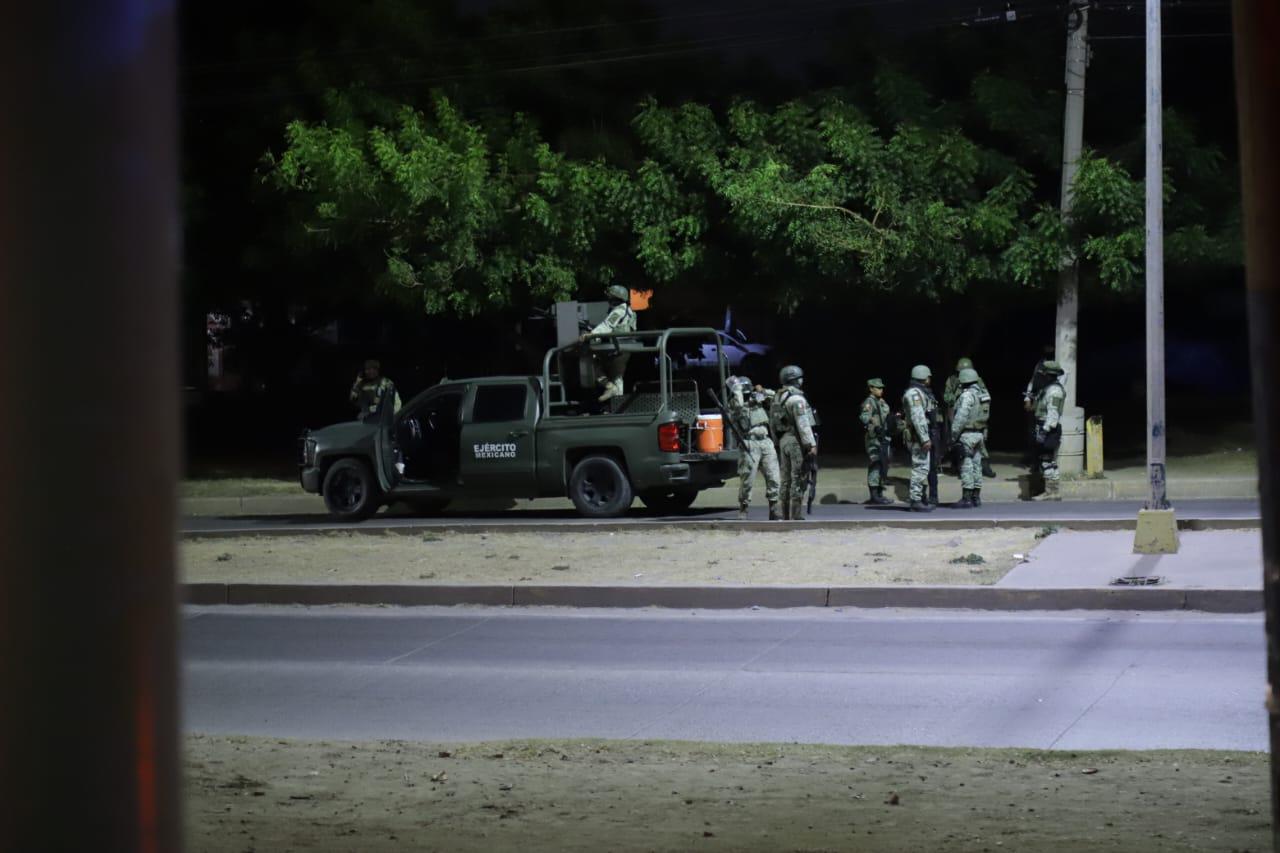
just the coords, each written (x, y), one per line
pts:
(1046, 532)
(237, 487)
(969, 560)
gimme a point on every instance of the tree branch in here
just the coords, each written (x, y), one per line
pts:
(857, 217)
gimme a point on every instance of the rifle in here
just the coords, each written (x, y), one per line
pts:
(811, 466)
(733, 426)
(892, 424)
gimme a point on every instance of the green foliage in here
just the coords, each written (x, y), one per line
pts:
(818, 195)
(814, 181)
(469, 220)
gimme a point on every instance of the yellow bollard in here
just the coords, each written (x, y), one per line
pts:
(1093, 447)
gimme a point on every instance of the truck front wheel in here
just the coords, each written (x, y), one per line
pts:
(599, 488)
(350, 492)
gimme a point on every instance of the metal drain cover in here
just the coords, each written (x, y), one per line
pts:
(1138, 580)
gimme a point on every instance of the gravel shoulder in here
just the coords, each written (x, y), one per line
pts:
(247, 793)
(705, 557)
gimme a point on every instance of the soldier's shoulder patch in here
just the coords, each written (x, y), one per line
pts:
(866, 407)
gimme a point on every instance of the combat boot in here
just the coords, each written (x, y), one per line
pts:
(987, 470)
(920, 506)
(1050, 492)
(775, 511)
(879, 499)
(966, 500)
(977, 498)
(742, 513)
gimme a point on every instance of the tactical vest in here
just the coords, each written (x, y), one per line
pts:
(981, 413)
(779, 417)
(1042, 401)
(930, 413)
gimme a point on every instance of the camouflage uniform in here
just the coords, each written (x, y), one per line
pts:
(793, 425)
(875, 415)
(951, 396)
(368, 394)
(620, 319)
(920, 411)
(1048, 414)
(752, 420)
(968, 428)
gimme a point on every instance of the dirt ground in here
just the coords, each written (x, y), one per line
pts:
(853, 557)
(264, 794)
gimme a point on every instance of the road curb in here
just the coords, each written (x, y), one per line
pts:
(852, 492)
(931, 522)
(729, 597)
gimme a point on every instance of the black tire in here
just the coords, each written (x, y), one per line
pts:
(350, 491)
(599, 488)
(670, 503)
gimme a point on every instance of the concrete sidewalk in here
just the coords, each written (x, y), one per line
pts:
(1217, 571)
(1223, 559)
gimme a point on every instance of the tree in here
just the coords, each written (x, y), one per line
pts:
(469, 219)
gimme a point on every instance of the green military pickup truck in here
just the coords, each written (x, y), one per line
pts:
(547, 436)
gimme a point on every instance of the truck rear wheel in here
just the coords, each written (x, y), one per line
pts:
(350, 492)
(599, 488)
(666, 503)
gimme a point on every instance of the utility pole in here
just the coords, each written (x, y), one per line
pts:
(1155, 265)
(1257, 31)
(1157, 531)
(1071, 452)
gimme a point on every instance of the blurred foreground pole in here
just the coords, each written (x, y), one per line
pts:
(88, 427)
(1257, 32)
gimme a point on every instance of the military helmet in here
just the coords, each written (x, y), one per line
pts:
(1053, 367)
(740, 382)
(618, 292)
(790, 374)
(921, 372)
(968, 376)
(962, 364)
(875, 383)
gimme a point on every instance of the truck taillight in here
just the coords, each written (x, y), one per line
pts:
(669, 438)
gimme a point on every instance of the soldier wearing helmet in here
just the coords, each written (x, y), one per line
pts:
(371, 389)
(968, 432)
(920, 413)
(1047, 410)
(950, 397)
(749, 408)
(792, 422)
(877, 420)
(620, 319)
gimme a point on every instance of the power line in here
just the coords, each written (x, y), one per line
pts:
(763, 11)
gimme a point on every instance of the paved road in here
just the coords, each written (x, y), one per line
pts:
(989, 513)
(1075, 681)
